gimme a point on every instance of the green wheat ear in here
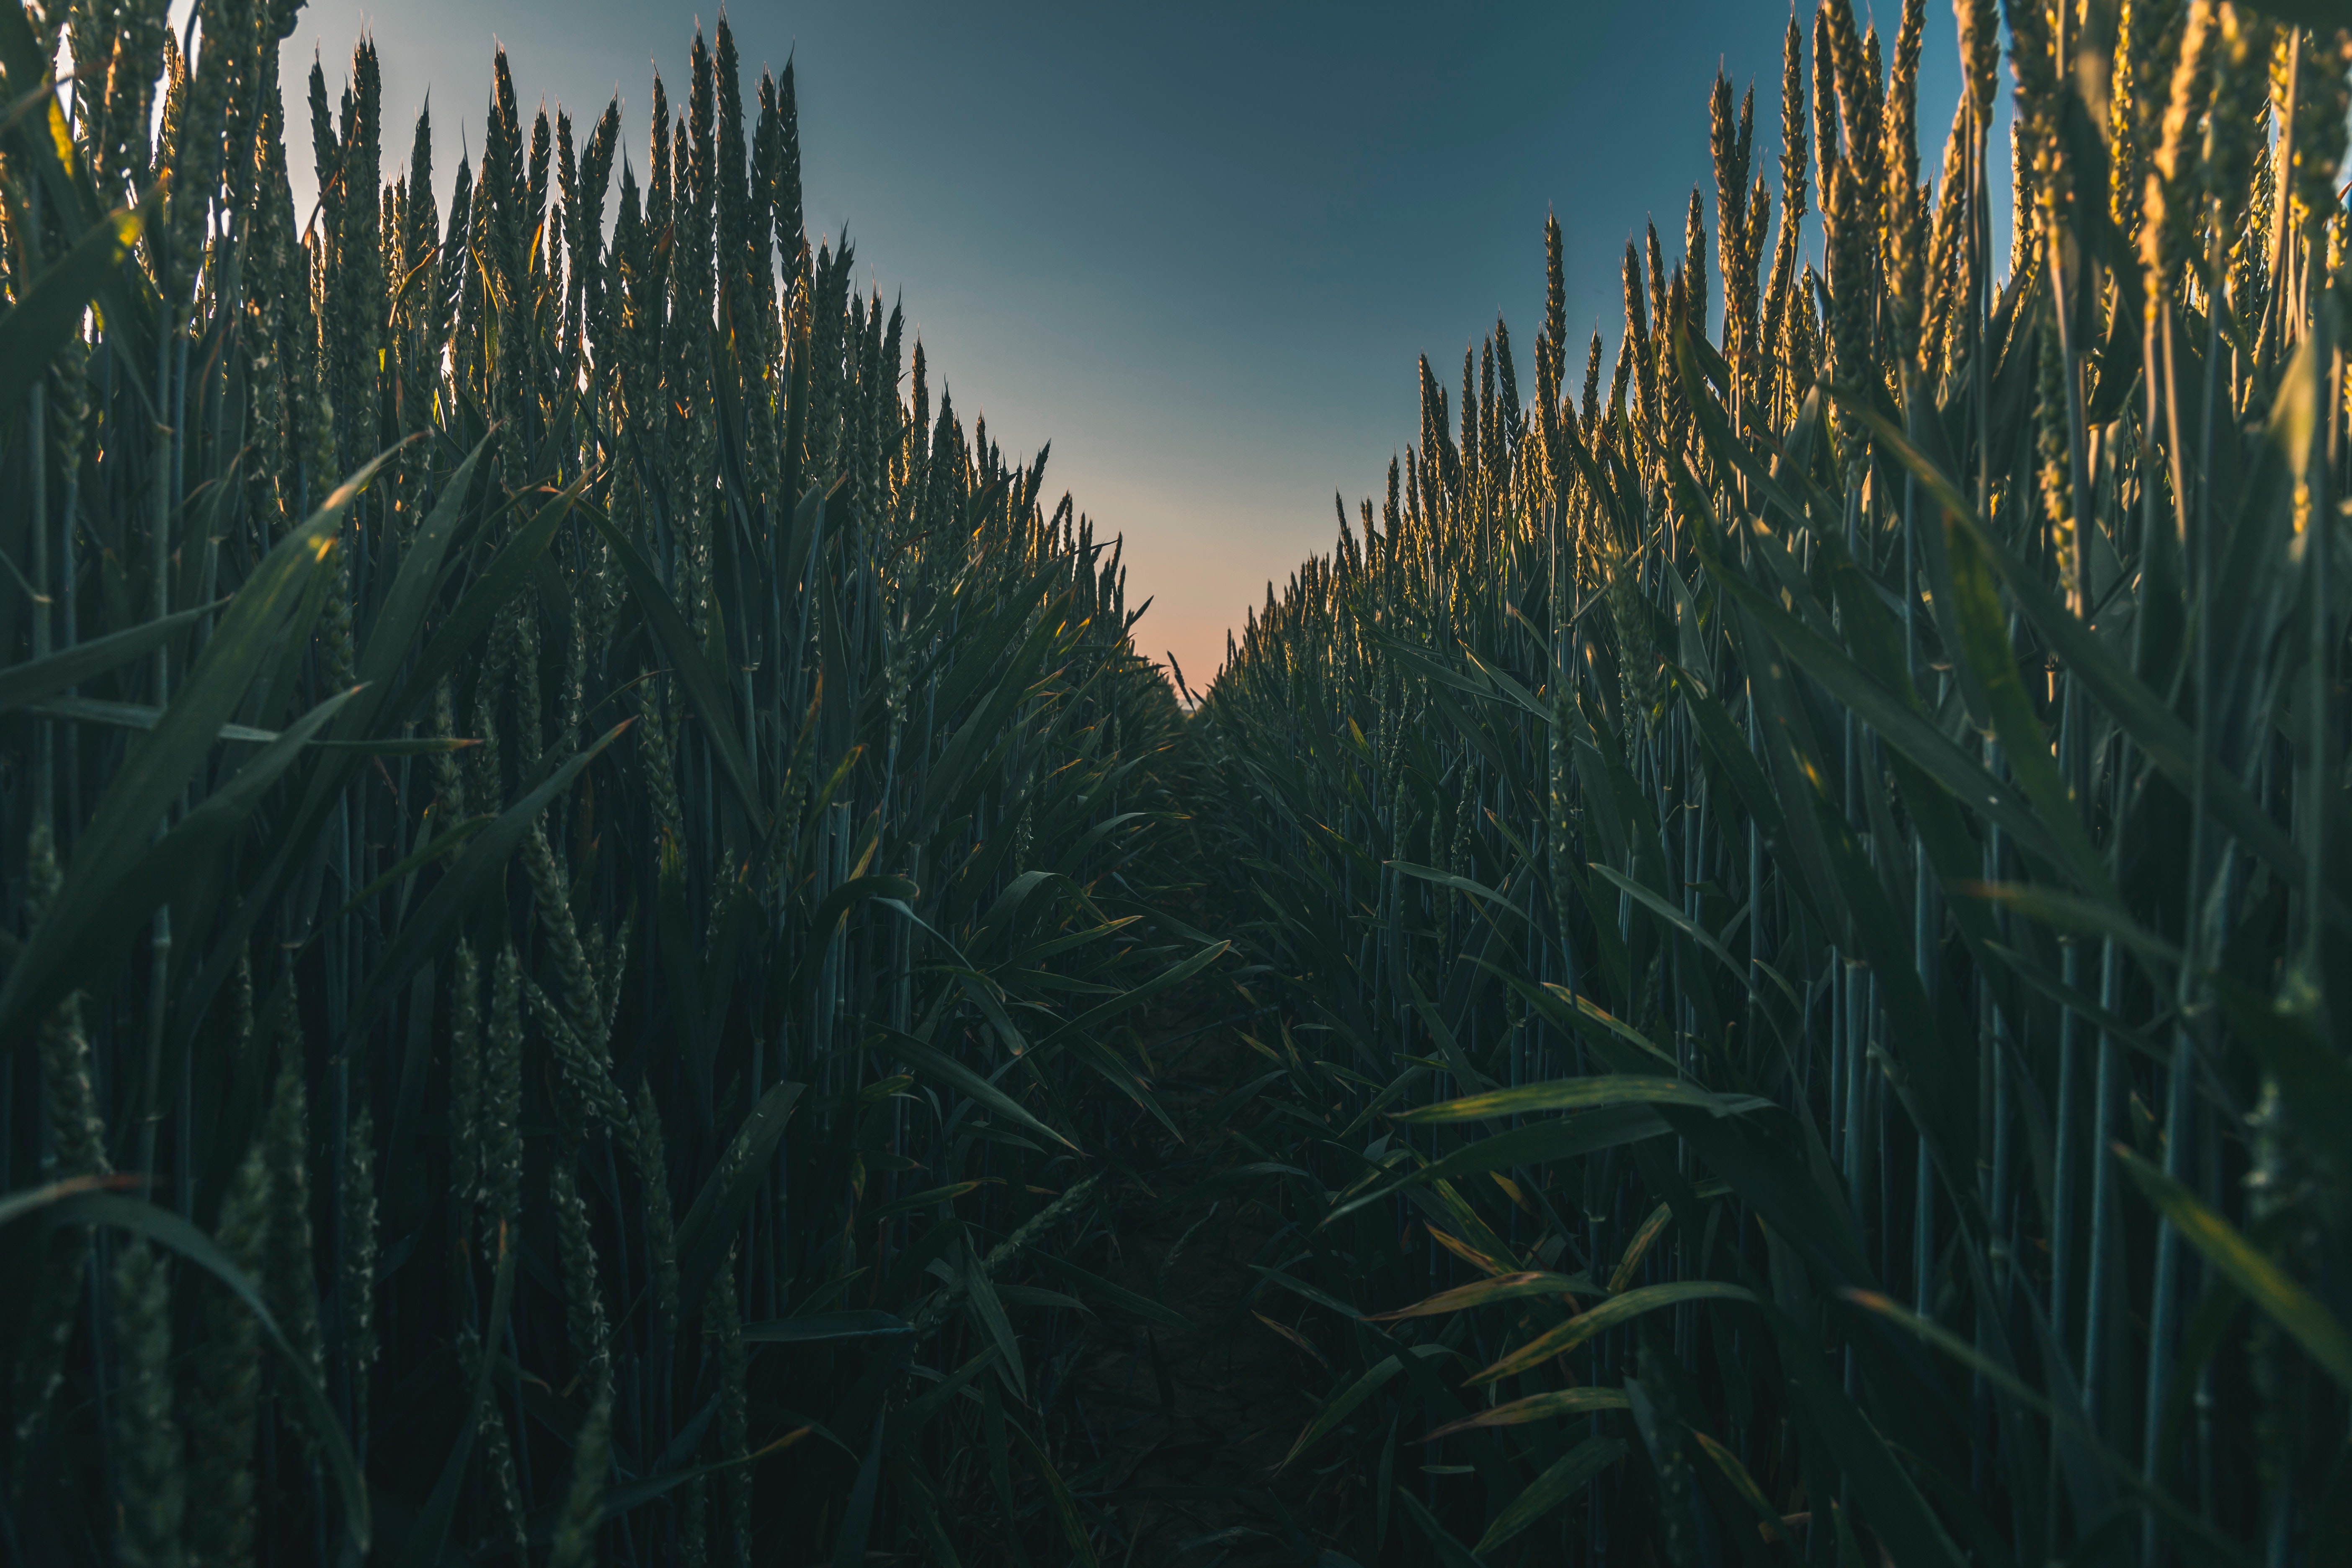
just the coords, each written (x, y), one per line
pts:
(500, 1527)
(77, 1147)
(583, 1009)
(645, 1144)
(465, 1080)
(77, 1132)
(288, 1281)
(150, 1487)
(575, 1533)
(583, 1307)
(502, 1110)
(722, 1328)
(225, 1403)
(356, 1235)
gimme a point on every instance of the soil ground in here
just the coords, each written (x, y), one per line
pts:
(1202, 1448)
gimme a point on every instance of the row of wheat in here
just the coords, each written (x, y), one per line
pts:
(569, 847)
(1813, 877)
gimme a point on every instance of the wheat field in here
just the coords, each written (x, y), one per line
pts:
(1811, 876)
(566, 832)
(607, 934)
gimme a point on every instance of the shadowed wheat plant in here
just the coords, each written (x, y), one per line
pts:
(569, 848)
(1812, 880)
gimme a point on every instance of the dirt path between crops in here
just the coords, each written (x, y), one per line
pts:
(1202, 1419)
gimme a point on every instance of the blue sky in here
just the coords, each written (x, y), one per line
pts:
(1198, 247)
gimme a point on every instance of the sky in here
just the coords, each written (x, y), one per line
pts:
(1196, 247)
